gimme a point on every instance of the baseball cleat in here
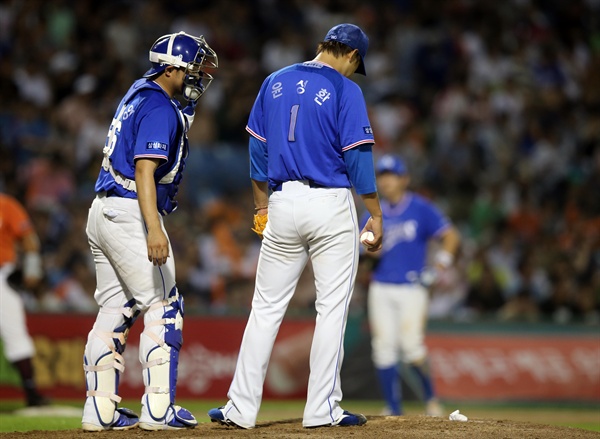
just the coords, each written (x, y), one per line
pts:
(217, 415)
(434, 408)
(347, 419)
(126, 419)
(389, 412)
(178, 419)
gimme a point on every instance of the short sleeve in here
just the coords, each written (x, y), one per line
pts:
(156, 133)
(19, 221)
(435, 221)
(354, 126)
(255, 125)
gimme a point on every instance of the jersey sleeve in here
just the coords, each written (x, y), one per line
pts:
(156, 132)
(434, 220)
(19, 221)
(258, 159)
(255, 122)
(354, 126)
(359, 162)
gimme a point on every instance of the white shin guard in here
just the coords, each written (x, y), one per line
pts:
(103, 363)
(160, 343)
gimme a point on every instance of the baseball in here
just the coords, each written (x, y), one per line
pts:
(367, 236)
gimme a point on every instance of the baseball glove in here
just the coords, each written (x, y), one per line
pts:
(260, 222)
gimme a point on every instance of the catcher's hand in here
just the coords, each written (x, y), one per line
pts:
(260, 222)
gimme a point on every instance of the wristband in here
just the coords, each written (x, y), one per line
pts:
(444, 258)
(32, 265)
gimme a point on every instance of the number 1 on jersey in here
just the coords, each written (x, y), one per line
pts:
(293, 119)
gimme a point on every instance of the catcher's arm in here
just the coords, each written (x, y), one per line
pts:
(260, 191)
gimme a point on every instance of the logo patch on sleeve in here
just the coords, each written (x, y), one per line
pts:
(368, 130)
(156, 145)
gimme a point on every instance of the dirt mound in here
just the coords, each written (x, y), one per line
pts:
(377, 427)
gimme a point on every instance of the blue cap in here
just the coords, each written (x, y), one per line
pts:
(352, 36)
(391, 163)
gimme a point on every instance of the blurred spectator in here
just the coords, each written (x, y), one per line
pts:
(484, 296)
(495, 105)
(75, 292)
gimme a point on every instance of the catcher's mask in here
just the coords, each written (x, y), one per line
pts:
(187, 52)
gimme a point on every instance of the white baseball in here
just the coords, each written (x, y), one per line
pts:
(457, 416)
(367, 236)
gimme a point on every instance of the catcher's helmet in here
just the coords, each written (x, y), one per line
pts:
(188, 52)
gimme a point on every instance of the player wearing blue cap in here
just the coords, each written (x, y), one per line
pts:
(398, 296)
(310, 142)
(144, 158)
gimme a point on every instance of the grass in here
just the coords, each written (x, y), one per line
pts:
(576, 416)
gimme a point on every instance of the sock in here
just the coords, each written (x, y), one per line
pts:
(423, 372)
(25, 369)
(389, 382)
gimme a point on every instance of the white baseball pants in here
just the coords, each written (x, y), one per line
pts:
(118, 240)
(13, 325)
(397, 318)
(304, 222)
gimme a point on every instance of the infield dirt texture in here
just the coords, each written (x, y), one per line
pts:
(379, 427)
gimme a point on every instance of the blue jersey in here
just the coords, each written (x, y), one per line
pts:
(309, 115)
(147, 124)
(407, 228)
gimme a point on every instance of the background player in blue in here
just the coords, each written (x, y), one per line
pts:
(310, 143)
(398, 297)
(144, 158)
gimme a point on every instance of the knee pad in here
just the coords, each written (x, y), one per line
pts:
(103, 362)
(160, 343)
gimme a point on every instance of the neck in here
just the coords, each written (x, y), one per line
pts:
(161, 83)
(330, 60)
(397, 198)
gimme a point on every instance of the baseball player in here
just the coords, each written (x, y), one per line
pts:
(310, 142)
(17, 234)
(144, 158)
(398, 297)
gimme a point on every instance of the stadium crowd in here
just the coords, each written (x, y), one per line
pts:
(495, 106)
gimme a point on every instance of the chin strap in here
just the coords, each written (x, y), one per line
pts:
(189, 112)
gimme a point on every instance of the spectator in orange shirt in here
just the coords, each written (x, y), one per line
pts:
(17, 233)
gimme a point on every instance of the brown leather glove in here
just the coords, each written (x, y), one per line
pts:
(260, 222)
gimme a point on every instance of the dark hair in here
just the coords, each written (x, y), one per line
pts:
(336, 48)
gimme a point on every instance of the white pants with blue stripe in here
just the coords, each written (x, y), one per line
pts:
(117, 238)
(304, 222)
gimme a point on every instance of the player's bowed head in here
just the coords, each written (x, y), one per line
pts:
(344, 48)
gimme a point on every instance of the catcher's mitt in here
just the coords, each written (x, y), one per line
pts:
(260, 222)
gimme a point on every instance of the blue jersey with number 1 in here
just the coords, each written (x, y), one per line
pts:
(309, 115)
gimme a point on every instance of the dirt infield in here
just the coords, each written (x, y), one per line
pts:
(378, 427)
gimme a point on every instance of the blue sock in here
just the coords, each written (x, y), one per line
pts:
(424, 374)
(389, 382)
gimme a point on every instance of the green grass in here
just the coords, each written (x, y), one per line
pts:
(568, 415)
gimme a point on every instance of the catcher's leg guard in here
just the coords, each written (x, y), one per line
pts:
(160, 343)
(103, 365)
